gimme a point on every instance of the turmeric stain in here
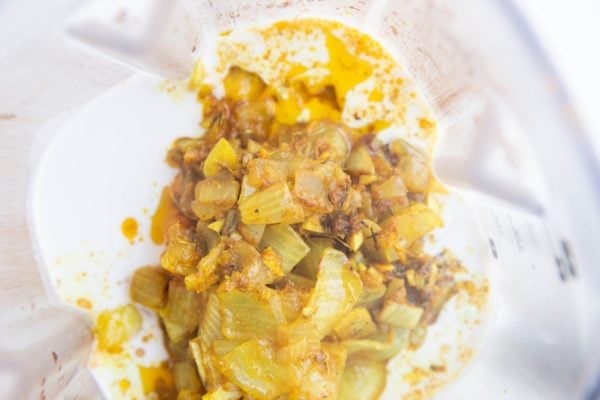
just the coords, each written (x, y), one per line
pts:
(415, 376)
(346, 69)
(129, 227)
(166, 214)
(376, 95)
(84, 303)
(124, 384)
(156, 379)
(304, 97)
(427, 125)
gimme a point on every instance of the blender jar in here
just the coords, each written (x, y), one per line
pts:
(508, 142)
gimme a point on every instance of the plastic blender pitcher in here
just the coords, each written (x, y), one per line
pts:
(508, 142)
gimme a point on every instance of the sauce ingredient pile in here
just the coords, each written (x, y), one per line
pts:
(294, 265)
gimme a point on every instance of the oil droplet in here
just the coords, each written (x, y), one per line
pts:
(129, 227)
(84, 303)
(376, 95)
(415, 376)
(166, 214)
(346, 70)
(124, 384)
(156, 379)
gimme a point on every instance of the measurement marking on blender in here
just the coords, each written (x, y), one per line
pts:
(518, 239)
(493, 248)
(565, 263)
(566, 247)
(560, 264)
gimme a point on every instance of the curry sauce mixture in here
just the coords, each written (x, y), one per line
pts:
(294, 265)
